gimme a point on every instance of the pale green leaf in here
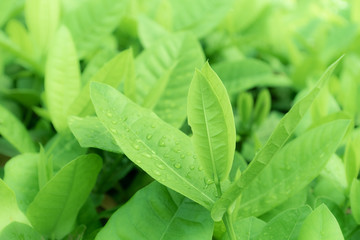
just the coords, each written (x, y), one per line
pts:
(170, 64)
(355, 199)
(352, 157)
(96, 63)
(54, 209)
(19, 231)
(292, 168)
(9, 210)
(90, 132)
(25, 187)
(155, 212)
(320, 225)
(247, 228)
(286, 225)
(212, 123)
(161, 150)
(15, 132)
(91, 21)
(23, 57)
(21, 38)
(62, 78)
(7, 7)
(278, 138)
(244, 74)
(199, 16)
(150, 32)
(112, 73)
(42, 19)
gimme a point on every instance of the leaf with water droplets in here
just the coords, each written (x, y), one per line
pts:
(168, 147)
(278, 138)
(90, 132)
(212, 123)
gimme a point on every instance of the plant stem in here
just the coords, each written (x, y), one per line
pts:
(229, 226)
(227, 217)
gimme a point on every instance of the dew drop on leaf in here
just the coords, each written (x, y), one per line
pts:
(109, 114)
(148, 137)
(161, 143)
(156, 172)
(177, 165)
(161, 166)
(136, 146)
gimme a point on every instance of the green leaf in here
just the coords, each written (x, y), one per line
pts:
(199, 16)
(7, 7)
(63, 148)
(92, 21)
(62, 78)
(42, 20)
(112, 73)
(212, 123)
(15, 132)
(150, 32)
(278, 138)
(54, 209)
(161, 150)
(9, 211)
(244, 74)
(262, 106)
(25, 187)
(286, 225)
(96, 63)
(292, 168)
(21, 38)
(352, 157)
(164, 74)
(355, 199)
(19, 231)
(22, 56)
(90, 132)
(320, 225)
(247, 228)
(155, 212)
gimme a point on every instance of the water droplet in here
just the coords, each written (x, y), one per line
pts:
(146, 155)
(161, 143)
(161, 166)
(125, 118)
(200, 168)
(192, 167)
(136, 146)
(109, 114)
(209, 181)
(177, 165)
(153, 125)
(148, 137)
(138, 161)
(195, 157)
(156, 172)
(113, 130)
(182, 156)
